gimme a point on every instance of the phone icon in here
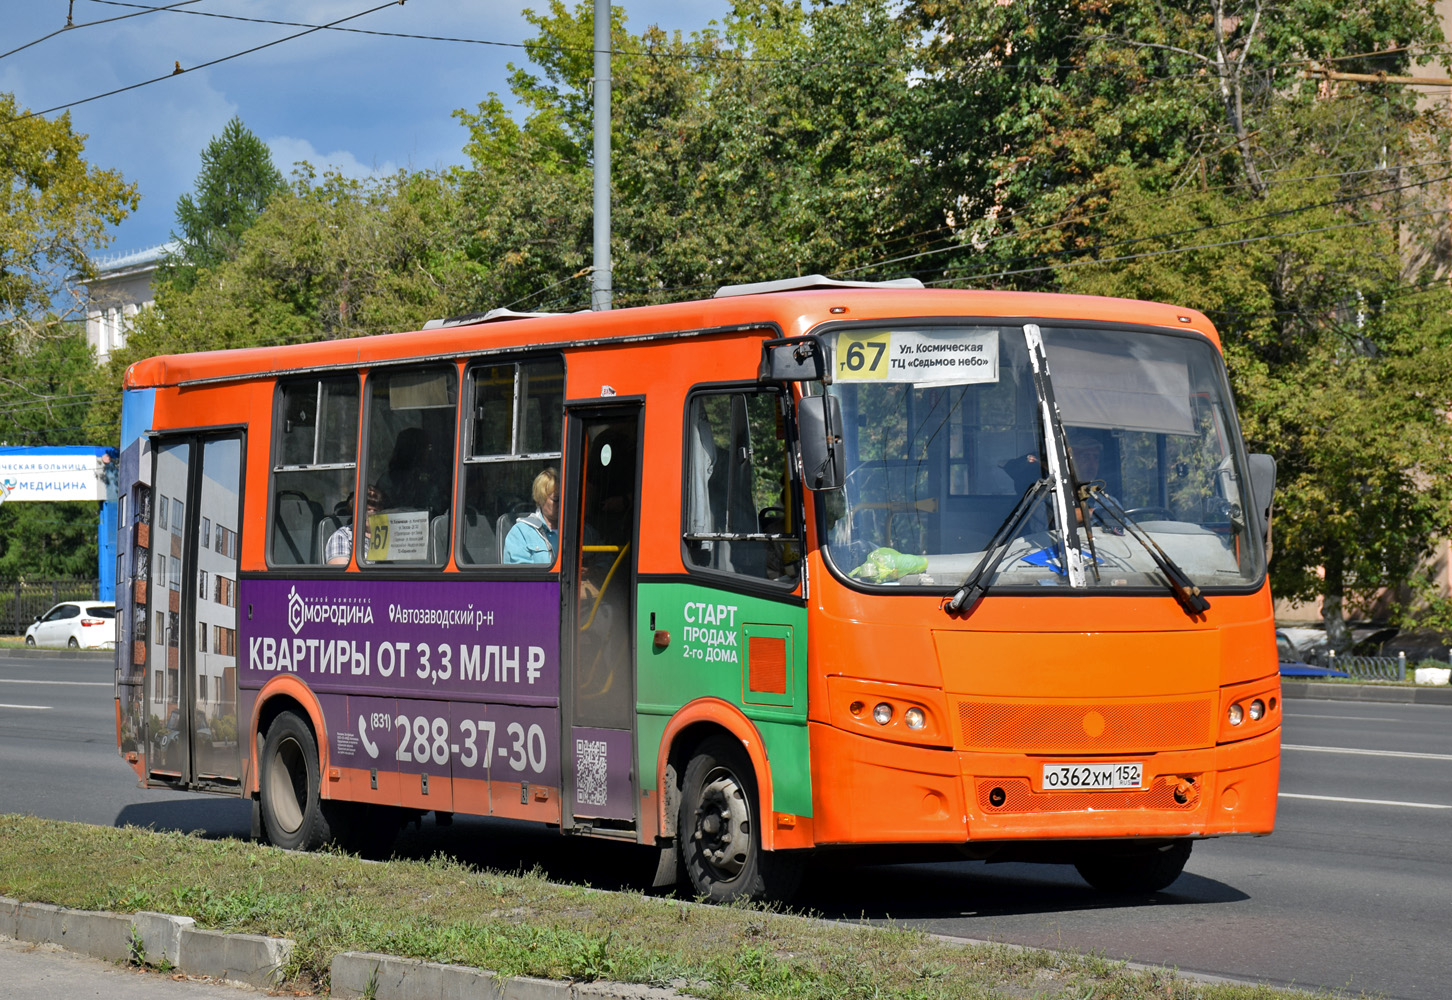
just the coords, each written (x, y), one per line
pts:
(368, 744)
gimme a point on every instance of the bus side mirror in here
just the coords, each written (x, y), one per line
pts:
(792, 359)
(824, 466)
(1262, 489)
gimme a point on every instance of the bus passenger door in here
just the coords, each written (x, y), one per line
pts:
(597, 691)
(191, 614)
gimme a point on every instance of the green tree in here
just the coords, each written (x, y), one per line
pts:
(236, 181)
(54, 207)
(1180, 154)
(778, 144)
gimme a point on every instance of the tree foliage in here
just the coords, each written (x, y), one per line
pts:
(53, 207)
(237, 180)
(778, 144)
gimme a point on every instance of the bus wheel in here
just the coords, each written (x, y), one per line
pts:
(1140, 871)
(718, 831)
(292, 813)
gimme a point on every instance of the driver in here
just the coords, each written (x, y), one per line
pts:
(1086, 448)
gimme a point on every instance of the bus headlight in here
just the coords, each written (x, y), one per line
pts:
(1257, 710)
(915, 718)
(1237, 714)
(882, 714)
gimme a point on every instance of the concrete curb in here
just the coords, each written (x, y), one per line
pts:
(252, 960)
(1394, 693)
(151, 939)
(357, 974)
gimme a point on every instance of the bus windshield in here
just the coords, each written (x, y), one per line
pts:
(943, 433)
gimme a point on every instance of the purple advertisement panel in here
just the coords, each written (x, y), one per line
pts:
(602, 773)
(473, 640)
(464, 739)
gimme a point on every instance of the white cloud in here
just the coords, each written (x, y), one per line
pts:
(288, 150)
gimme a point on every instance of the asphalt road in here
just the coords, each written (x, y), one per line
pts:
(1353, 892)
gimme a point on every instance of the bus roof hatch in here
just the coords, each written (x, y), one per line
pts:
(809, 281)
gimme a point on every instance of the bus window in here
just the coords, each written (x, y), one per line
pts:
(314, 457)
(515, 425)
(409, 471)
(739, 513)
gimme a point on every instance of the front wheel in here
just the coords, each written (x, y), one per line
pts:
(30, 640)
(292, 809)
(1137, 871)
(719, 830)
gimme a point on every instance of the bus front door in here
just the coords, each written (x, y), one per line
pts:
(599, 783)
(191, 614)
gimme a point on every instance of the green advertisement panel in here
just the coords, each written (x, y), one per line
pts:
(747, 651)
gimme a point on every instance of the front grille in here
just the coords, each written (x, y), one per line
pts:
(1086, 727)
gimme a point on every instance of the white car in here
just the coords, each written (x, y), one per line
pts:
(77, 624)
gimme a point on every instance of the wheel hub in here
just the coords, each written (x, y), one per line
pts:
(723, 824)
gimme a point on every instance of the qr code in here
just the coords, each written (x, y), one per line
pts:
(590, 771)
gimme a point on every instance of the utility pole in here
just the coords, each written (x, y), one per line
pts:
(600, 276)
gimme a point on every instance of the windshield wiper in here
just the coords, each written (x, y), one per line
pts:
(966, 598)
(1181, 586)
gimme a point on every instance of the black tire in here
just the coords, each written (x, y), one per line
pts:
(1137, 871)
(30, 640)
(73, 643)
(718, 830)
(292, 807)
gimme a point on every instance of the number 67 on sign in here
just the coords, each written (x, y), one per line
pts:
(862, 356)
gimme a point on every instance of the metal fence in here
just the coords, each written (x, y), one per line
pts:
(22, 600)
(1380, 668)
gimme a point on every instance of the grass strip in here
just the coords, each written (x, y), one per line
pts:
(442, 910)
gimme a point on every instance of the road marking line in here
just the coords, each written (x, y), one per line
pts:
(1371, 753)
(80, 684)
(1365, 802)
(35, 708)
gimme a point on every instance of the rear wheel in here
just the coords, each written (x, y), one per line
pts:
(719, 830)
(1136, 871)
(292, 808)
(73, 643)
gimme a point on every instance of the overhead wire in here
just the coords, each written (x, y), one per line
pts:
(71, 26)
(180, 70)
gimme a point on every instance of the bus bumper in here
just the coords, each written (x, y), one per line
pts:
(884, 792)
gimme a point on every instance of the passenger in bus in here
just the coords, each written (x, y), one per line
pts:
(339, 548)
(536, 537)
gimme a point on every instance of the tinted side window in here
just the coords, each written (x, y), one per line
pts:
(315, 456)
(412, 413)
(515, 425)
(740, 510)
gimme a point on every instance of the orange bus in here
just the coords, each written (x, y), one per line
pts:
(809, 565)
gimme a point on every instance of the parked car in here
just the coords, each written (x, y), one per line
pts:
(1293, 666)
(77, 624)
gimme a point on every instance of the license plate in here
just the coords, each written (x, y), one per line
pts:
(1092, 776)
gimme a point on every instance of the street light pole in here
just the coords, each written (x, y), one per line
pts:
(600, 284)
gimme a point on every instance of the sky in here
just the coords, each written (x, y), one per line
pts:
(358, 103)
